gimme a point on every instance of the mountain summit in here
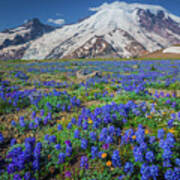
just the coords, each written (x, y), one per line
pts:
(14, 42)
(118, 29)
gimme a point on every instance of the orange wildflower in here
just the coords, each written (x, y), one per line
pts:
(49, 157)
(104, 155)
(108, 163)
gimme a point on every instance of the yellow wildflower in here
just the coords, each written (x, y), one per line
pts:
(134, 137)
(171, 130)
(90, 121)
(146, 131)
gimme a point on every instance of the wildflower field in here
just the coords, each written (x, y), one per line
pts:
(122, 123)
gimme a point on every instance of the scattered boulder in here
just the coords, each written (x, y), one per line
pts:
(136, 66)
(85, 75)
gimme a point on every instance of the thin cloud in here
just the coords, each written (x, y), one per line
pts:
(25, 21)
(56, 21)
(59, 14)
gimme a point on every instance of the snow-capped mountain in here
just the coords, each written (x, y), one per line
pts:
(14, 42)
(114, 30)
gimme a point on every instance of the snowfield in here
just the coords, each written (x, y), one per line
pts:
(173, 49)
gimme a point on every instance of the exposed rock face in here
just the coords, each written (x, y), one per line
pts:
(13, 52)
(116, 30)
(160, 24)
(95, 47)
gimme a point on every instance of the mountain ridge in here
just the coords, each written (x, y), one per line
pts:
(118, 29)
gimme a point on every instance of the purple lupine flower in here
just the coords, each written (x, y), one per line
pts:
(109, 140)
(103, 134)
(152, 139)
(77, 134)
(68, 174)
(173, 116)
(128, 167)
(105, 146)
(46, 137)
(31, 125)
(69, 126)
(42, 112)
(94, 152)
(37, 150)
(79, 123)
(167, 154)
(118, 132)
(69, 107)
(170, 123)
(169, 174)
(68, 142)
(177, 160)
(73, 120)
(176, 173)
(37, 121)
(59, 127)
(84, 144)
(11, 168)
(145, 172)
(21, 122)
(160, 133)
(121, 177)
(84, 162)
(149, 156)
(36, 164)
(167, 163)
(138, 155)
(49, 116)
(154, 171)
(116, 161)
(52, 139)
(13, 123)
(111, 130)
(16, 177)
(13, 142)
(61, 158)
(85, 125)
(46, 119)
(27, 176)
(140, 135)
(58, 146)
(92, 136)
(1, 138)
(33, 115)
(68, 150)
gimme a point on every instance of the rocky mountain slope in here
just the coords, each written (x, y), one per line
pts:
(114, 30)
(14, 42)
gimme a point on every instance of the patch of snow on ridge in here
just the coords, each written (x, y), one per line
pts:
(172, 49)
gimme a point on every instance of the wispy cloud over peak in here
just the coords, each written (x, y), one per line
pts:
(56, 21)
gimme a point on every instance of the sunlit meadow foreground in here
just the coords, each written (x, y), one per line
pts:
(122, 123)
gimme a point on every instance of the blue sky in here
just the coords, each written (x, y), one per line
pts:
(15, 12)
